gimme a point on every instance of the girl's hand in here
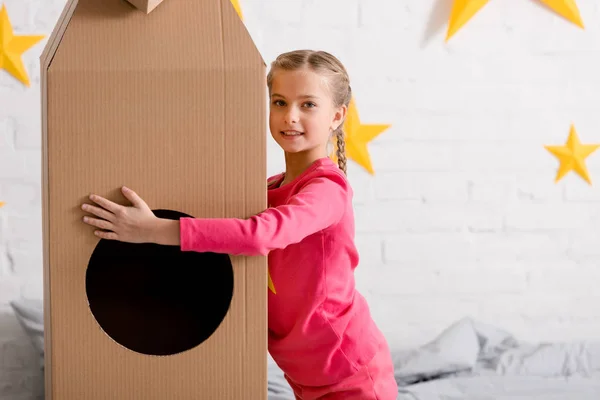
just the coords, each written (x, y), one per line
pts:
(116, 222)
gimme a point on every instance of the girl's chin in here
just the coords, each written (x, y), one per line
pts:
(292, 144)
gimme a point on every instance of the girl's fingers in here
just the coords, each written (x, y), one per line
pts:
(133, 197)
(105, 203)
(106, 235)
(99, 212)
(98, 223)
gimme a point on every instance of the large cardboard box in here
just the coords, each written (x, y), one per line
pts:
(168, 99)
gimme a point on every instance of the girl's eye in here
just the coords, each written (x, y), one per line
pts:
(310, 104)
(278, 102)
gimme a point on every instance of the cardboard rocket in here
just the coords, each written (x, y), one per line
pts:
(169, 99)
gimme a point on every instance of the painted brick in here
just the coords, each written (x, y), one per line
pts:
(462, 217)
(450, 280)
(545, 216)
(427, 187)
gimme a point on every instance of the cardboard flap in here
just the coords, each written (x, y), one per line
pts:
(146, 5)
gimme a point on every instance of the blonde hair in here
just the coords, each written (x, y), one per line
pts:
(338, 81)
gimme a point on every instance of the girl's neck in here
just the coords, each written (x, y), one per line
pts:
(296, 164)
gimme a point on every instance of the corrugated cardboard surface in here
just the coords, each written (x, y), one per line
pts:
(171, 104)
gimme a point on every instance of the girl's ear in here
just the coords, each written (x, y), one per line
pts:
(339, 117)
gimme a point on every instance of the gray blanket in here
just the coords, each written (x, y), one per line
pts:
(474, 361)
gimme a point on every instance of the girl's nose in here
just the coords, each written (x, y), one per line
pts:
(291, 117)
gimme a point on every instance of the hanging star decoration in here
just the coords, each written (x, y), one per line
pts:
(566, 9)
(271, 285)
(572, 156)
(464, 10)
(357, 137)
(2, 204)
(238, 9)
(12, 48)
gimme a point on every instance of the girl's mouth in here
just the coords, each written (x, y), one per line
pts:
(291, 133)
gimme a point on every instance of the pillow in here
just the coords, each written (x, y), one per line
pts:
(455, 350)
(30, 314)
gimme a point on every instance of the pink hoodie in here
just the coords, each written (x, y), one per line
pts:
(320, 327)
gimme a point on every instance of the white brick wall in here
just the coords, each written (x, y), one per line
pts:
(463, 216)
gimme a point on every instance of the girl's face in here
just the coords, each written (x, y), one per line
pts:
(302, 113)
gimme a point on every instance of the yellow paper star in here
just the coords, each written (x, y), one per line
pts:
(12, 47)
(271, 285)
(2, 204)
(464, 10)
(236, 5)
(572, 156)
(357, 138)
(566, 9)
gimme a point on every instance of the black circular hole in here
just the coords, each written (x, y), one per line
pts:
(158, 300)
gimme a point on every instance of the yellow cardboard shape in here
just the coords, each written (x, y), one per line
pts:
(12, 48)
(572, 156)
(462, 12)
(238, 9)
(357, 137)
(566, 9)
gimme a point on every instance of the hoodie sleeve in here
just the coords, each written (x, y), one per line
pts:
(319, 204)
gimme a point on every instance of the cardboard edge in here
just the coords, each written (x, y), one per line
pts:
(46, 58)
(241, 21)
(57, 34)
(247, 263)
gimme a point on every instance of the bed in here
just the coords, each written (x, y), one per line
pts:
(468, 360)
(21, 376)
(473, 361)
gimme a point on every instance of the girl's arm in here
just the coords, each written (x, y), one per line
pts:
(318, 205)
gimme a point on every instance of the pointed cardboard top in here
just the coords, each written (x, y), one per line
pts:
(114, 35)
(146, 5)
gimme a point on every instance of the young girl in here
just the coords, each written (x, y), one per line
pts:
(321, 333)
